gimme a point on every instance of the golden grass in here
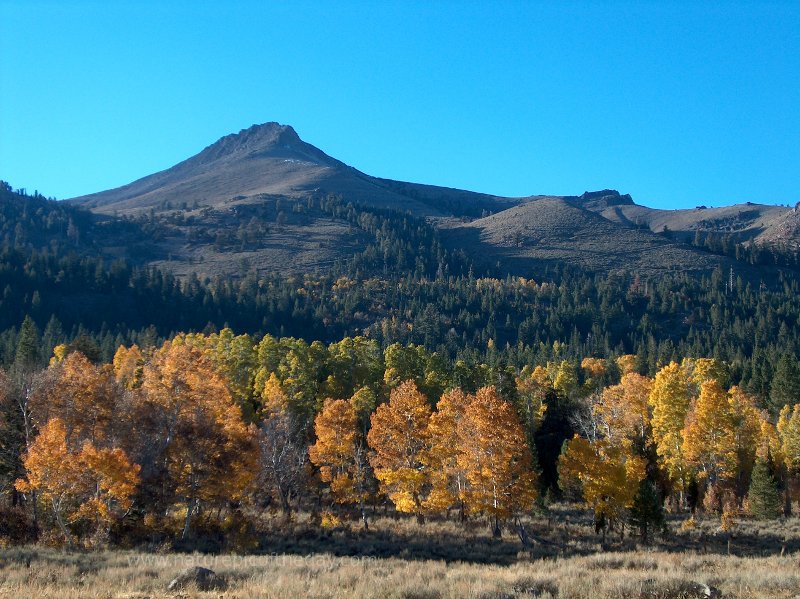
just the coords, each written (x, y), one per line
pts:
(398, 558)
(118, 574)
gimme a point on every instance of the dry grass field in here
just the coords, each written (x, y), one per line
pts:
(399, 558)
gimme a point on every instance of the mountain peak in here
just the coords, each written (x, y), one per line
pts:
(599, 200)
(253, 139)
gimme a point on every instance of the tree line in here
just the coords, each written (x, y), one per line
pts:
(404, 287)
(204, 432)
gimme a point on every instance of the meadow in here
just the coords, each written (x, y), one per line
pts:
(397, 558)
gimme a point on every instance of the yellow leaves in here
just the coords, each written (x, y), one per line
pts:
(595, 369)
(699, 370)
(495, 457)
(669, 399)
(337, 452)
(533, 387)
(789, 431)
(441, 458)
(128, 364)
(565, 380)
(626, 364)
(94, 483)
(722, 432)
(624, 409)
(398, 437)
(708, 438)
(273, 398)
(608, 474)
(59, 353)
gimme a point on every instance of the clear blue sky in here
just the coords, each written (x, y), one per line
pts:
(676, 103)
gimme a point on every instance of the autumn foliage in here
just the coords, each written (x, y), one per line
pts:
(202, 435)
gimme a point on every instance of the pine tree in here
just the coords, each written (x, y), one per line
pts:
(785, 387)
(647, 512)
(27, 352)
(763, 497)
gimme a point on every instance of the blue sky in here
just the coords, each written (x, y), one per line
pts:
(678, 104)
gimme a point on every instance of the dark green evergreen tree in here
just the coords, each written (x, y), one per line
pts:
(765, 501)
(27, 353)
(647, 513)
(785, 387)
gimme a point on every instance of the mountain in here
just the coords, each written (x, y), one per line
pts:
(271, 159)
(260, 200)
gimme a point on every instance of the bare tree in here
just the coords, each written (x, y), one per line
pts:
(283, 459)
(586, 420)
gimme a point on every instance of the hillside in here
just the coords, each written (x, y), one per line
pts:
(259, 200)
(744, 222)
(554, 230)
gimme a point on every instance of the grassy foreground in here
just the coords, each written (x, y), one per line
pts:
(618, 575)
(399, 559)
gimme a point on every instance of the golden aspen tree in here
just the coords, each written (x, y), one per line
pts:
(340, 454)
(626, 364)
(207, 454)
(273, 397)
(83, 396)
(495, 458)
(789, 431)
(533, 389)
(110, 480)
(447, 478)
(397, 438)
(669, 399)
(595, 370)
(747, 427)
(52, 472)
(607, 473)
(624, 410)
(709, 443)
(769, 444)
(699, 370)
(128, 365)
(87, 484)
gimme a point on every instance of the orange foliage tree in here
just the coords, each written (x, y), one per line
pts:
(200, 450)
(447, 478)
(495, 458)
(85, 397)
(340, 454)
(398, 439)
(91, 484)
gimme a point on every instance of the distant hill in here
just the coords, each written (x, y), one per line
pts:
(256, 200)
(553, 230)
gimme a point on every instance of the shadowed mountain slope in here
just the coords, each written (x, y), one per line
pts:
(257, 200)
(555, 230)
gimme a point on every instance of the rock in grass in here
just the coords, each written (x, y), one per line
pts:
(202, 579)
(684, 589)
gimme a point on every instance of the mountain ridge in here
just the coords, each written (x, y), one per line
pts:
(268, 169)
